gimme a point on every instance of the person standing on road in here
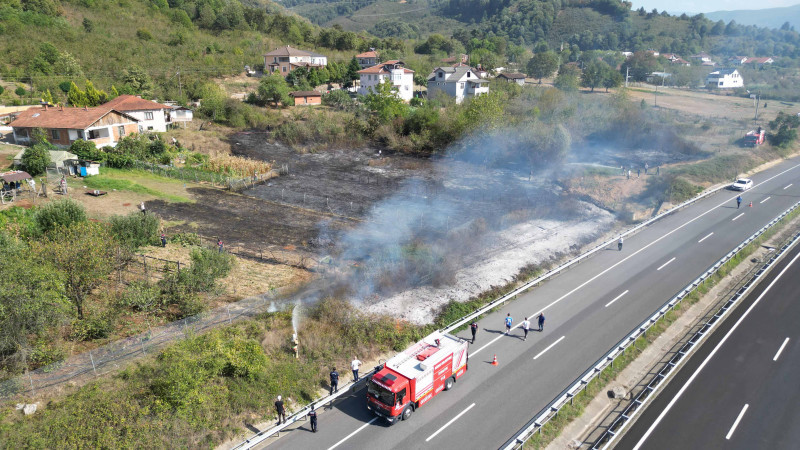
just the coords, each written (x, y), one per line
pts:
(280, 410)
(619, 244)
(541, 321)
(354, 365)
(738, 201)
(474, 327)
(525, 325)
(509, 321)
(312, 416)
(334, 381)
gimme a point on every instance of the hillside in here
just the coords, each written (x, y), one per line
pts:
(769, 18)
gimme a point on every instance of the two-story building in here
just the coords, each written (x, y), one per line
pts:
(368, 59)
(459, 82)
(394, 72)
(286, 59)
(724, 79)
(63, 126)
(152, 116)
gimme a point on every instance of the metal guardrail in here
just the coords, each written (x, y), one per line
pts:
(580, 383)
(666, 372)
(303, 412)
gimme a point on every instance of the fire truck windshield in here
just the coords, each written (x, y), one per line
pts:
(381, 393)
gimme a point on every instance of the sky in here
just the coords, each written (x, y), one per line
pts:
(680, 6)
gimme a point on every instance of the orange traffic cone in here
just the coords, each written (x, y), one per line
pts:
(751, 204)
(494, 361)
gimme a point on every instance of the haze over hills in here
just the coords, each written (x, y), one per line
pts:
(770, 18)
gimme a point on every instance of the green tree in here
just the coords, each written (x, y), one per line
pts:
(84, 252)
(641, 64)
(612, 78)
(86, 150)
(76, 97)
(567, 79)
(385, 103)
(352, 73)
(59, 214)
(36, 159)
(273, 90)
(784, 129)
(593, 74)
(137, 80)
(543, 65)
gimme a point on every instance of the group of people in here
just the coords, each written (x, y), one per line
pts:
(639, 171)
(509, 321)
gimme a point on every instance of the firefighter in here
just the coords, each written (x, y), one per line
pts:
(474, 327)
(334, 381)
(312, 416)
(280, 410)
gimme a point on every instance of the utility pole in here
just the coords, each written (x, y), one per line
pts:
(758, 100)
(180, 87)
(655, 98)
(627, 70)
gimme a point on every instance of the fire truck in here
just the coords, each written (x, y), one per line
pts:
(413, 377)
(754, 138)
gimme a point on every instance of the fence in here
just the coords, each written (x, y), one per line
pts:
(580, 383)
(144, 267)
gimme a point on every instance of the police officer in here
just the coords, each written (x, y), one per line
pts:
(334, 381)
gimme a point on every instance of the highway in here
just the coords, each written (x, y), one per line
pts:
(740, 390)
(589, 308)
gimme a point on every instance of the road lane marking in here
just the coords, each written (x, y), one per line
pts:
(618, 297)
(733, 427)
(449, 423)
(762, 201)
(613, 266)
(780, 349)
(711, 355)
(549, 347)
(707, 236)
(787, 187)
(740, 215)
(353, 433)
(665, 264)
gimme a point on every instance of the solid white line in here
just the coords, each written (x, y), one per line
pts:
(707, 236)
(665, 264)
(762, 201)
(740, 215)
(655, 241)
(711, 355)
(549, 347)
(618, 297)
(780, 349)
(353, 433)
(733, 427)
(449, 423)
(787, 187)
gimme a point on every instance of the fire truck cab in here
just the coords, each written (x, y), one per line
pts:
(411, 378)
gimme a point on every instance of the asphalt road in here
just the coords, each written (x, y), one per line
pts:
(589, 308)
(740, 390)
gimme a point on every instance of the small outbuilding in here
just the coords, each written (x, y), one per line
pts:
(518, 78)
(306, 97)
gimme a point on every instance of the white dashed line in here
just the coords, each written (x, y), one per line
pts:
(665, 264)
(733, 427)
(618, 297)
(449, 423)
(762, 201)
(740, 215)
(787, 187)
(780, 349)
(352, 434)
(707, 236)
(549, 347)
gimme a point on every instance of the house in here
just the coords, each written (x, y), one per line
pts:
(306, 97)
(152, 116)
(394, 72)
(724, 79)
(518, 78)
(180, 114)
(737, 60)
(477, 70)
(675, 59)
(63, 126)
(701, 57)
(368, 59)
(459, 82)
(760, 62)
(286, 59)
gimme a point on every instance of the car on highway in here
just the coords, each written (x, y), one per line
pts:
(742, 184)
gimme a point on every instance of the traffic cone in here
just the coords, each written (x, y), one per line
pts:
(494, 361)
(751, 204)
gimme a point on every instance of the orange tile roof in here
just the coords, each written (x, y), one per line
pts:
(133, 103)
(381, 68)
(66, 118)
(369, 54)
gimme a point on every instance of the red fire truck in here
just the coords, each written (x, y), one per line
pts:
(411, 378)
(754, 138)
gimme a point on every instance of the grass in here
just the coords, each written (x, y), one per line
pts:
(133, 181)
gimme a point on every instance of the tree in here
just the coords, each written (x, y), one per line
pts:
(76, 97)
(36, 159)
(274, 89)
(84, 252)
(352, 72)
(384, 101)
(567, 79)
(593, 74)
(59, 214)
(85, 150)
(640, 65)
(612, 79)
(137, 80)
(785, 129)
(543, 65)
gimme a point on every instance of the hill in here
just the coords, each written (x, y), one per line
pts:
(769, 18)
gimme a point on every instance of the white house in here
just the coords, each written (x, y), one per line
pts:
(459, 82)
(152, 116)
(63, 126)
(724, 79)
(180, 114)
(368, 59)
(402, 79)
(286, 59)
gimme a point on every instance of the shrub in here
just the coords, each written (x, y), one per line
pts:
(144, 35)
(35, 159)
(185, 239)
(135, 229)
(207, 266)
(139, 296)
(86, 150)
(20, 91)
(59, 213)
(97, 327)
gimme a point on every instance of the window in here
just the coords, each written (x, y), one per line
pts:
(461, 85)
(121, 129)
(284, 68)
(56, 134)
(148, 115)
(468, 74)
(80, 134)
(441, 74)
(94, 134)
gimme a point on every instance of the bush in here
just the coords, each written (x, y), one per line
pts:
(140, 296)
(20, 91)
(135, 229)
(86, 150)
(36, 159)
(144, 35)
(207, 266)
(98, 327)
(59, 213)
(186, 239)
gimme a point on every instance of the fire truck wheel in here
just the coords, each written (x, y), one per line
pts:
(407, 412)
(449, 384)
